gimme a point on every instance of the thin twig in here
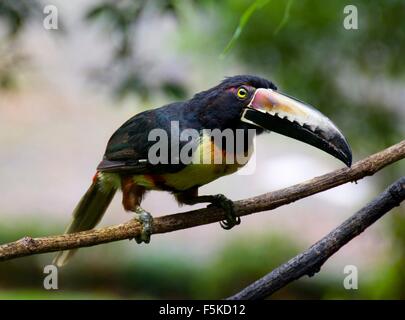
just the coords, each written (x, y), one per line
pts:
(310, 261)
(366, 167)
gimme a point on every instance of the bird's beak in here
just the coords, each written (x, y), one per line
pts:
(280, 113)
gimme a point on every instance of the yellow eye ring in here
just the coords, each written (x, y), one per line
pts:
(242, 93)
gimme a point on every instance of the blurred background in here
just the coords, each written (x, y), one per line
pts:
(63, 93)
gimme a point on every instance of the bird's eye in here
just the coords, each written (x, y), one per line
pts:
(242, 93)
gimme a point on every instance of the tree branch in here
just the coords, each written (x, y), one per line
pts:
(311, 261)
(366, 167)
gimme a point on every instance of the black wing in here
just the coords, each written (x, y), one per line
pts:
(128, 148)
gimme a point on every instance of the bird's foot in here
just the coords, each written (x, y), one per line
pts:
(146, 220)
(223, 202)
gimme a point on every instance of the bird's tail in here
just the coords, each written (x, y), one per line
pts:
(88, 212)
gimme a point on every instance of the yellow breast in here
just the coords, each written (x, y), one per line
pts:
(209, 163)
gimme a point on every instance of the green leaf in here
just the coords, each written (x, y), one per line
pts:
(286, 16)
(244, 19)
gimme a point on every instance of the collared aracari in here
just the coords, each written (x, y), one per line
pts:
(240, 102)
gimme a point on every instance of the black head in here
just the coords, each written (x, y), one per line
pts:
(221, 106)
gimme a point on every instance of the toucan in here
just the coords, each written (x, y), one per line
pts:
(239, 104)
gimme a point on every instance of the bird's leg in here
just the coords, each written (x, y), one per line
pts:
(191, 197)
(219, 200)
(131, 198)
(146, 220)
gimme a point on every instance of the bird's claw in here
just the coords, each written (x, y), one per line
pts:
(231, 218)
(146, 220)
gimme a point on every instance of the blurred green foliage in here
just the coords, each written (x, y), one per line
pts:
(121, 19)
(165, 274)
(17, 13)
